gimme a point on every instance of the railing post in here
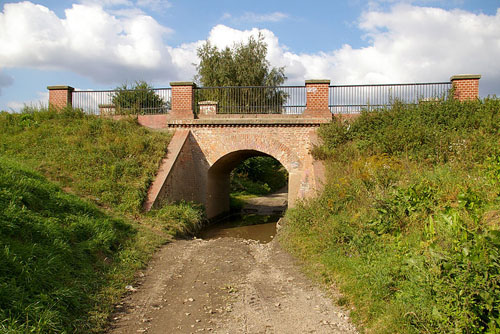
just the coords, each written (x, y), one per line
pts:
(182, 100)
(465, 86)
(60, 97)
(317, 98)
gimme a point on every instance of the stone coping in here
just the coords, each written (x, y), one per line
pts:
(465, 77)
(60, 88)
(318, 81)
(182, 83)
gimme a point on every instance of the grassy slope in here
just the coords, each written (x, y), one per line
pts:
(107, 163)
(56, 252)
(110, 162)
(408, 225)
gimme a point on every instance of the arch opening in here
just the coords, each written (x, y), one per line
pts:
(219, 186)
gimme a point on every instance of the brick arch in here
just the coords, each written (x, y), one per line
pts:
(266, 146)
(218, 179)
(201, 157)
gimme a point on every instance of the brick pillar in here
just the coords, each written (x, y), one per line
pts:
(182, 100)
(317, 98)
(60, 96)
(466, 86)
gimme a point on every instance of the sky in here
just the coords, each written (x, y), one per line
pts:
(92, 45)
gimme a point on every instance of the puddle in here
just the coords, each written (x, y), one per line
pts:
(253, 227)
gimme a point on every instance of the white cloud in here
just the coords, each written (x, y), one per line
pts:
(406, 43)
(251, 17)
(89, 41)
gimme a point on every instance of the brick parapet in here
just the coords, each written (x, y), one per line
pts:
(60, 96)
(465, 86)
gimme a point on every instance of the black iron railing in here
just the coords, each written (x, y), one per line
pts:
(253, 100)
(346, 99)
(288, 100)
(123, 101)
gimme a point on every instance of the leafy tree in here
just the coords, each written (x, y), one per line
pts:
(241, 65)
(244, 64)
(138, 98)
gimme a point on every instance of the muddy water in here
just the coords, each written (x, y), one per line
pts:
(254, 227)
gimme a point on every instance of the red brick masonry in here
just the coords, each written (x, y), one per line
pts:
(60, 96)
(201, 156)
(466, 86)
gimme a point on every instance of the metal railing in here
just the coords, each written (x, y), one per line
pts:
(123, 101)
(254, 100)
(347, 99)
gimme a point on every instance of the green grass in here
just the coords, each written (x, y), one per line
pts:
(109, 162)
(56, 252)
(72, 233)
(408, 225)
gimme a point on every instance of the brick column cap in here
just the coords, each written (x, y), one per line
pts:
(318, 81)
(182, 83)
(60, 88)
(465, 77)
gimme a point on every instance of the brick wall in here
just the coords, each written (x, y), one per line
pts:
(153, 121)
(466, 86)
(203, 162)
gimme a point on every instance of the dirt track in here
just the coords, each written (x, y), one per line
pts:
(226, 285)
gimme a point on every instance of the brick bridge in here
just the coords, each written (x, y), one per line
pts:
(204, 150)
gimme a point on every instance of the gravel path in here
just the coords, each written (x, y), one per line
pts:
(226, 285)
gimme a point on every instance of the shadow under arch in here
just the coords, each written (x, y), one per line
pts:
(218, 179)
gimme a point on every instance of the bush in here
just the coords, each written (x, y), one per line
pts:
(258, 176)
(138, 98)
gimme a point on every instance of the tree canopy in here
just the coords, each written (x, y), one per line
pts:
(244, 64)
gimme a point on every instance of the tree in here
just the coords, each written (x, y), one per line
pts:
(242, 65)
(138, 98)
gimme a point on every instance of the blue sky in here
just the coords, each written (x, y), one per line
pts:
(90, 44)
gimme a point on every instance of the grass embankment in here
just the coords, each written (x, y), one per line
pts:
(408, 225)
(65, 256)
